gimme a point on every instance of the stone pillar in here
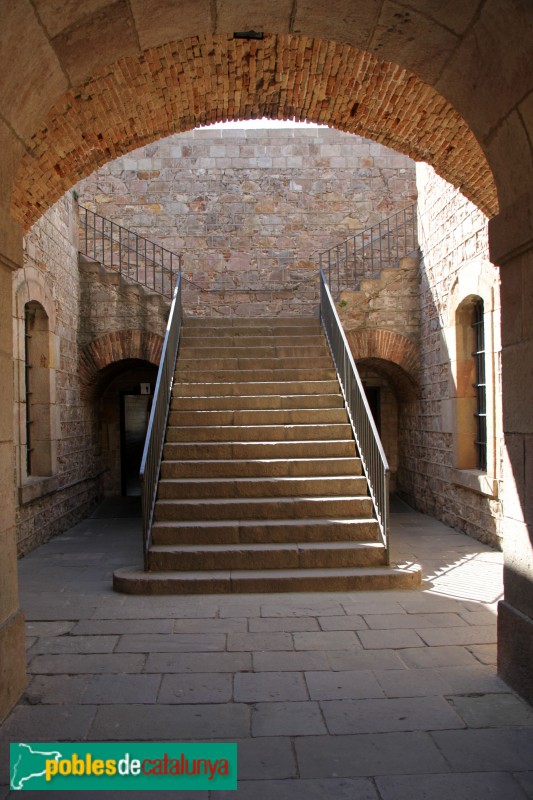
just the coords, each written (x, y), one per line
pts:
(12, 653)
(511, 243)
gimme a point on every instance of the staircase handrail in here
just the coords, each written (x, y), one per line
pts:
(360, 251)
(120, 249)
(373, 458)
(157, 425)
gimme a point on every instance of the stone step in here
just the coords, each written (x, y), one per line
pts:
(309, 555)
(220, 488)
(260, 332)
(307, 416)
(253, 364)
(135, 581)
(254, 388)
(269, 468)
(254, 322)
(242, 340)
(189, 351)
(273, 530)
(248, 375)
(259, 402)
(185, 451)
(263, 508)
(258, 433)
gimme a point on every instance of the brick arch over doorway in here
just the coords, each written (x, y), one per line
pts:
(386, 346)
(200, 80)
(114, 347)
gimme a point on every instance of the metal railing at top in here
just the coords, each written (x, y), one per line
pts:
(374, 461)
(124, 251)
(366, 253)
(157, 424)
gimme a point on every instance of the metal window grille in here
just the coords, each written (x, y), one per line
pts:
(480, 387)
(28, 322)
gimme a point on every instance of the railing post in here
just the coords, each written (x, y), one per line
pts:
(370, 449)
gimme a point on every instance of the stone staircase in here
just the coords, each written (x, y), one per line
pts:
(261, 489)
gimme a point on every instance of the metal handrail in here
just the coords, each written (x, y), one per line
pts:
(137, 258)
(366, 253)
(155, 435)
(373, 458)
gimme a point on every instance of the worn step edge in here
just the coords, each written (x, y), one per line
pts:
(254, 388)
(257, 468)
(263, 508)
(261, 487)
(305, 555)
(132, 580)
(231, 531)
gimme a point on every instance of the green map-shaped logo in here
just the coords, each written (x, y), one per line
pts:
(27, 763)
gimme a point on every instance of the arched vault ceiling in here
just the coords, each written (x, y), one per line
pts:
(200, 80)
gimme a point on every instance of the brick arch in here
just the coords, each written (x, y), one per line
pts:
(114, 347)
(200, 80)
(385, 346)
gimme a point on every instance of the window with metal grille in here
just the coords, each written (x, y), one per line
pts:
(480, 386)
(37, 392)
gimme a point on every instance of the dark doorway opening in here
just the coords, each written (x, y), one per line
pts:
(134, 414)
(373, 395)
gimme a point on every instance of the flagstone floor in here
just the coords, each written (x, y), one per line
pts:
(337, 696)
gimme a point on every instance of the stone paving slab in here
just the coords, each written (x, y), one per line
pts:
(391, 714)
(289, 662)
(338, 789)
(266, 758)
(473, 786)
(371, 754)
(326, 640)
(392, 621)
(187, 688)
(479, 634)
(90, 627)
(343, 660)
(387, 639)
(290, 624)
(253, 687)
(493, 711)
(446, 656)
(411, 682)
(198, 662)
(501, 750)
(351, 622)
(171, 643)
(287, 719)
(349, 685)
(484, 653)
(74, 644)
(73, 664)
(170, 722)
(112, 689)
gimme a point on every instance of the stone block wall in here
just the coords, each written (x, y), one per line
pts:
(455, 268)
(250, 208)
(67, 491)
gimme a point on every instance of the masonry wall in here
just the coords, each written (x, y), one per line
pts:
(50, 503)
(250, 208)
(455, 268)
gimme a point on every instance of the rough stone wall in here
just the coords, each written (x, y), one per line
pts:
(48, 504)
(250, 207)
(455, 266)
(389, 302)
